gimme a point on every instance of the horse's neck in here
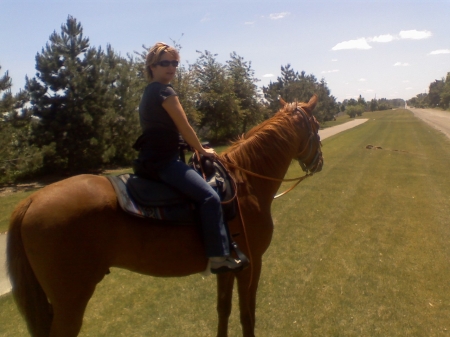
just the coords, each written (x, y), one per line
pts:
(264, 161)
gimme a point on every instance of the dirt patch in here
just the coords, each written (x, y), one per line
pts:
(29, 185)
(4, 191)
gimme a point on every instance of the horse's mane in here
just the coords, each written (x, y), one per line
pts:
(268, 144)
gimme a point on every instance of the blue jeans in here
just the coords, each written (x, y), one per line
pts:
(180, 176)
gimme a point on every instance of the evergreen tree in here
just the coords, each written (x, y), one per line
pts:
(293, 86)
(18, 158)
(122, 121)
(217, 103)
(70, 97)
(245, 90)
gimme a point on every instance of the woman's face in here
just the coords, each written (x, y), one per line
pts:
(163, 72)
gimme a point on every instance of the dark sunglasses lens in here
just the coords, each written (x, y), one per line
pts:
(166, 63)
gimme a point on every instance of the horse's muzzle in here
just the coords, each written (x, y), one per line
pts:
(318, 167)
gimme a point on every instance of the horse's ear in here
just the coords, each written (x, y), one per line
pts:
(309, 107)
(282, 101)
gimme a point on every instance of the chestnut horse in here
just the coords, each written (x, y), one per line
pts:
(63, 239)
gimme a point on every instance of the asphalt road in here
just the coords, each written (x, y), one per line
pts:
(5, 286)
(440, 120)
(328, 132)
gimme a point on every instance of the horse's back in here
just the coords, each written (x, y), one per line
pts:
(69, 209)
(64, 226)
(77, 223)
(79, 193)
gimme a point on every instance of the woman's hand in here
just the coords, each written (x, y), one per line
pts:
(209, 152)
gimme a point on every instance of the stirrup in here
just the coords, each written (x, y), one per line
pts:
(228, 264)
(240, 263)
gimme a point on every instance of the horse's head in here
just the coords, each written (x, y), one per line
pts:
(310, 153)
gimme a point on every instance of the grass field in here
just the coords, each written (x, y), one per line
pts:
(360, 249)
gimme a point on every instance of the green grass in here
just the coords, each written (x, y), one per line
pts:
(360, 249)
(7, 204)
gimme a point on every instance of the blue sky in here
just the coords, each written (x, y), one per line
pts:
(382, 49)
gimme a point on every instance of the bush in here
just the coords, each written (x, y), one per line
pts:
(355, 110)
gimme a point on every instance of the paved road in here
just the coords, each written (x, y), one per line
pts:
(440, 120)
(5, 286)
(328, 132)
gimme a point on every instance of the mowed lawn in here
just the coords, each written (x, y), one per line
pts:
(360, 249)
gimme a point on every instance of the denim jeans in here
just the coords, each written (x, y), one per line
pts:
(180, 176)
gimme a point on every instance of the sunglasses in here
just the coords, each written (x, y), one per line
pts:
(167, 63)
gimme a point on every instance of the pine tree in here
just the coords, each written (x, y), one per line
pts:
(293, 86)
(245, 89)
(18, 158)
(70, 97)
(123, 122)
(217, 103)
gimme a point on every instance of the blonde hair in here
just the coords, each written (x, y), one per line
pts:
(155, 54)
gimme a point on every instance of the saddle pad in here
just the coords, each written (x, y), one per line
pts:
(151, 192)
(180, 212)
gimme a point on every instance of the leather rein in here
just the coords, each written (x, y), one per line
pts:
(306, 168)
(313, 134)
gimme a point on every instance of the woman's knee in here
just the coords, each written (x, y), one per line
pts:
(213, 200)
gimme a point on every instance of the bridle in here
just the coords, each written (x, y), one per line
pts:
(313, 136)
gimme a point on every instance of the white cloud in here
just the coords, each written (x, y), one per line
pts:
(363, 43)
(268, 75)
(440, 51)
(249, 23)
(334, 60)
(352, 44)
(415, 34)
(400, 64)
(276, 16)
(207, 17)
(383, 38)
(330, 71)
(362, 80)
(409, 88)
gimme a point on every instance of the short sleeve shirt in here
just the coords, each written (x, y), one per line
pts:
(162, 135)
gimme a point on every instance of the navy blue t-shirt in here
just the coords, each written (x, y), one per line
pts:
(160, 134)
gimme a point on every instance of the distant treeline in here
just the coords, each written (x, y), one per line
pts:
(353, 107)
(438, 95)
(79, 113)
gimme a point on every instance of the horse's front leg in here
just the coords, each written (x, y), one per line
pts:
(247, 286)
(225, 284)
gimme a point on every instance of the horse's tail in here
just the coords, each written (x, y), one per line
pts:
(28, 293)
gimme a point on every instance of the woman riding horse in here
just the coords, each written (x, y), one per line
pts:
(162, 119)
(63, 239)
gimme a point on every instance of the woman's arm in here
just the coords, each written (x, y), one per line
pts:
(173, 107)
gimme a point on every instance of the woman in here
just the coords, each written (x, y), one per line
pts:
(163, 119)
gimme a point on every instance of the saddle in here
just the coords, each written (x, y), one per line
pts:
(147, 198)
